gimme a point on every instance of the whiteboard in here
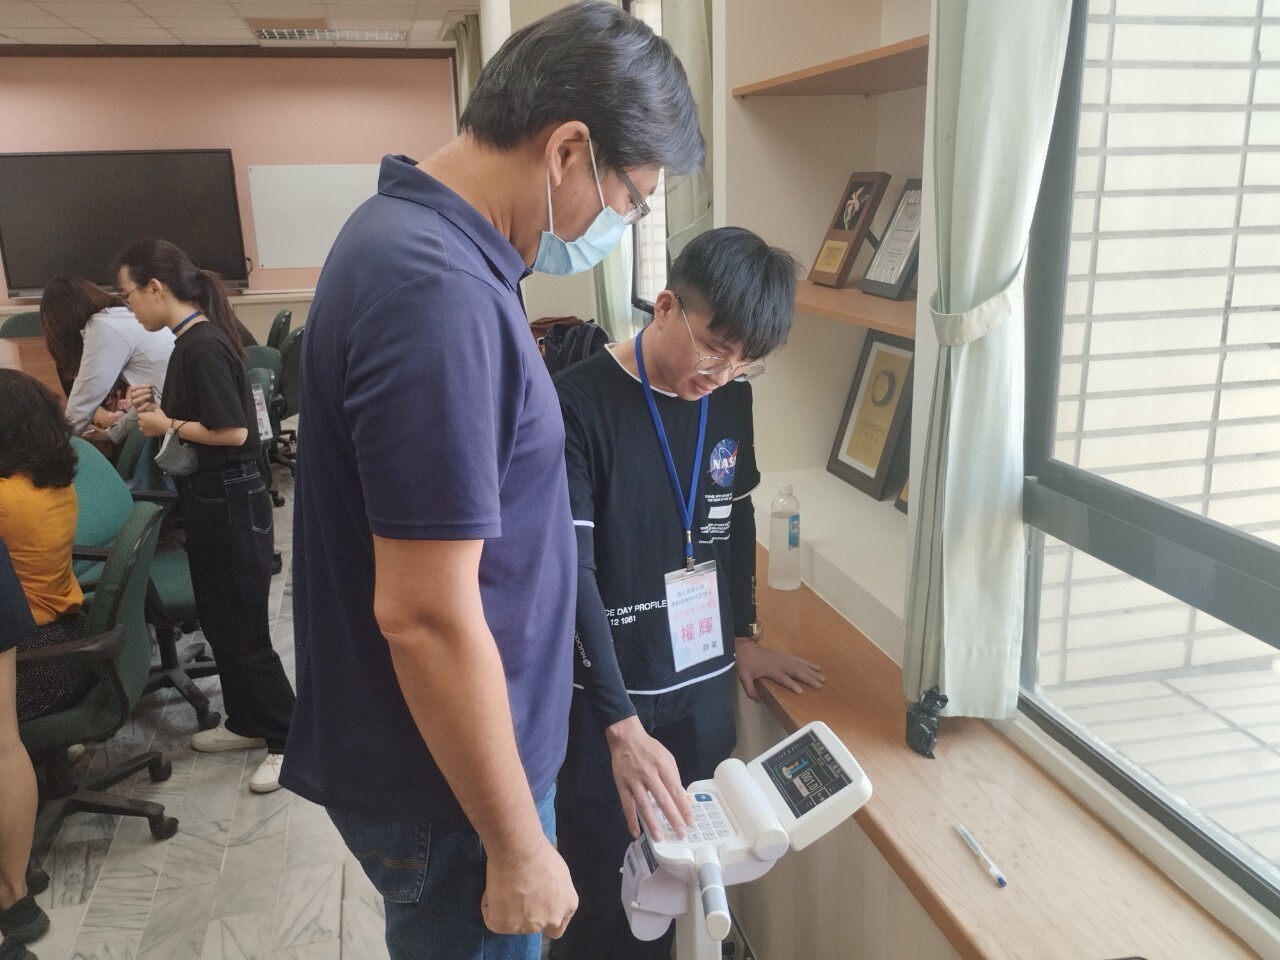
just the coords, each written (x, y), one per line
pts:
(298, 209)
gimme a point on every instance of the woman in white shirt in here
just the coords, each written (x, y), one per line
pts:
(95, 341)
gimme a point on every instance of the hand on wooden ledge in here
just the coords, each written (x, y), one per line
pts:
(757, 662)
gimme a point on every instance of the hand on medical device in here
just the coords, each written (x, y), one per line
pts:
(756, 662)
(642, 767)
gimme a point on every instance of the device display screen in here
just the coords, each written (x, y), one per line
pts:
(806, 774)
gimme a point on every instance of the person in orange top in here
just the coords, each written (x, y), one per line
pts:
(38, 510)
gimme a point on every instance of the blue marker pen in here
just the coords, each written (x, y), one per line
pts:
(978, 852)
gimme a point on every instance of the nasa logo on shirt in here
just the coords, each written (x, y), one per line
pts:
(724, 457)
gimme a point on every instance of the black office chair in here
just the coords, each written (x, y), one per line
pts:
(279, 327)
(117, 649)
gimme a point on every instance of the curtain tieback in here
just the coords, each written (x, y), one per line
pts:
(957, 329)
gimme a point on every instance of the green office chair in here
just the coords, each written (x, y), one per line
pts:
(268, 358)
(105, 504)
(22, 325)
(279, 327)
(290, 387)
(265, 381)
(117, 649)
(136, 462)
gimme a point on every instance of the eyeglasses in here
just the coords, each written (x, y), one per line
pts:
(639, 205)
(714, 366)
(126, 294)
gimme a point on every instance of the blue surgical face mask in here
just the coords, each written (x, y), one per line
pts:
(563, 257)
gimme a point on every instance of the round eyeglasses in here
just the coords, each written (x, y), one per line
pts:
(714, 366)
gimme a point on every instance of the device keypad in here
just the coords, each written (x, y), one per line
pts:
(710, 825)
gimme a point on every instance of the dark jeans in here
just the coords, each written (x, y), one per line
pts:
(696, 724)
(228, 520)
(432, 879)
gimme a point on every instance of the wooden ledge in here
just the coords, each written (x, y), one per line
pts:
(1077, 891)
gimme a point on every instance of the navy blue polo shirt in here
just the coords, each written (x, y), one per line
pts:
(427, 414)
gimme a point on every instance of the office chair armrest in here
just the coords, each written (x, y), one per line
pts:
(154, 496)
(80, 551)
(96, 649)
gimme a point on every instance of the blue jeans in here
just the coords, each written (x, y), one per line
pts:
(432, 879)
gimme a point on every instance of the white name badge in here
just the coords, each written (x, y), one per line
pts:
(265, 432)
(693, 615)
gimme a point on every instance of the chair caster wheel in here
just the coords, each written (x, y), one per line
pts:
(209, 719)
(277, 499)
(161, 771)
(164, 828)
(277, 563)
(37, 881)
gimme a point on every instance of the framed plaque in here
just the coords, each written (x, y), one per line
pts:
(876, 414)
(858, 203)
(894, 265)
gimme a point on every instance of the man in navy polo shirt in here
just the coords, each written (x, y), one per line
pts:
(434, 556)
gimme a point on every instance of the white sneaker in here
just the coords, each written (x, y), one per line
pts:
(267, 777)
(220, 739)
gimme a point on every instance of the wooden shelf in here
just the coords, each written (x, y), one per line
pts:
(1076, 889)
(899, 66)
(853, 306)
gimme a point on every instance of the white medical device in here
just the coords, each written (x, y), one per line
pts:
(746, 817)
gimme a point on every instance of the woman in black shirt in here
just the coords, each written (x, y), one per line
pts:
(225, 504)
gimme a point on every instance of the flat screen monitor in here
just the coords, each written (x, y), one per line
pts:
(70, 213)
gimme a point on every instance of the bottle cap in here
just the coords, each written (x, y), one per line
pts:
(784, 488)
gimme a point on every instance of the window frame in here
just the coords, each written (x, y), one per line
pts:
(1224, 572)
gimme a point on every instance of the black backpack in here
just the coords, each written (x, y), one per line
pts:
(564, 344)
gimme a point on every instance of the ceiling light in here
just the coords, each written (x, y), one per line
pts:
(310, 33)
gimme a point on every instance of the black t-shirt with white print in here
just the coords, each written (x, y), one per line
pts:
(205, 381)
(630, 534)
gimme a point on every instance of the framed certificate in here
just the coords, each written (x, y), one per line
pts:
(894, 265)
(858, 203)
(873, 428)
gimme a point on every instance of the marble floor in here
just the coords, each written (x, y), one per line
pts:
(246, 877)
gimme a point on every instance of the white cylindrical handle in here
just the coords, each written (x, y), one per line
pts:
(715, 906)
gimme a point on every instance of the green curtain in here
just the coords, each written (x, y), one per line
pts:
(686, 26)
(467, 58)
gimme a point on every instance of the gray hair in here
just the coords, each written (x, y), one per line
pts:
(593, 63)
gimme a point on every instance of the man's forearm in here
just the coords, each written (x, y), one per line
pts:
(456, 691)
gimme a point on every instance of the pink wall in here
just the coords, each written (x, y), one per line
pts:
(268, 111)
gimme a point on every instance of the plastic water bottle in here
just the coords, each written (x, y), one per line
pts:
(784, 540)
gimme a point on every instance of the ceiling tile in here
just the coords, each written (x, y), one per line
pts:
(201, 23)
(244, 35)
(215, 42)
(94, 24)
(441, 10)
(19, 8)
(378, 11)
(283, 10)
(370, 24)
(60, 35)
(137, 37)
(201, 9)
(79, 8)
(23, 22)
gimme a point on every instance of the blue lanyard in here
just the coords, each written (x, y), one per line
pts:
(685, 506)
(185, 321)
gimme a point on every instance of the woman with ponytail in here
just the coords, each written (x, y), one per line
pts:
(225, 504)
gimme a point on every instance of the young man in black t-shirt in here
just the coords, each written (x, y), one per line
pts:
(666, 576)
